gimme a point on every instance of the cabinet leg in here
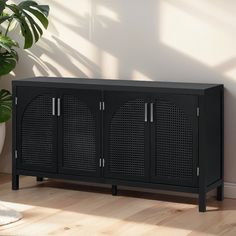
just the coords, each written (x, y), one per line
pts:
(39, 179)
(114, 190)
(15, 182)
(202, 202)
(220, 193)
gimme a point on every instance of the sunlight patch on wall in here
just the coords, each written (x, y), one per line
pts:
(107, 13)
(109, 66)
(196, 36)
(137, 75)
(231, 74)
(82, 8)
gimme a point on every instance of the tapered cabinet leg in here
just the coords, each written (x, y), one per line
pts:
(202, 202)
(220, 193)
(39, 179)
(114, 190)
(15, 182)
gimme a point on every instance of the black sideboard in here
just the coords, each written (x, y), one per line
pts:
(160, 135)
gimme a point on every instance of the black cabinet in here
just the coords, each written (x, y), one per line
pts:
(174, 139)
(79, 129)
(36, 130)
(147, 134)
(126, 136)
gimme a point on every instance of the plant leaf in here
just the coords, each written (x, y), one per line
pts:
(27, 13)
(7, 43)
(41, 17)
(4, 17)
(8, 62)
(2, 6)
(35, 27)
(26, 32)
(5, 105)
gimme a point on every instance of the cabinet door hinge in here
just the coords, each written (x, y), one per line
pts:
(198, 111)
(16, 100)
(198, 171)
(16, 154)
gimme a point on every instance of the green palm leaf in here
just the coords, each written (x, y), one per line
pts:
(7, 43)
(28, 14)
(5, 105)
(8, 62)
(2, 6)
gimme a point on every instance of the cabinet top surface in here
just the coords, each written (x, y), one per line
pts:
(108, 83)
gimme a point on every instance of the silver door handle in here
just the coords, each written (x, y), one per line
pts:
(58, 107)
(145, 112)
(53, 106)
(151, 112)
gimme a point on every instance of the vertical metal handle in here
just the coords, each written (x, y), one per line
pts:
(145, 112)
(53, 106)
(58, 107)
(102, 106)
(151, 112)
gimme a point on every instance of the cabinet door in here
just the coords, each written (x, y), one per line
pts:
(126, 140)
(36, 129)
(79, 132)
(174, 140)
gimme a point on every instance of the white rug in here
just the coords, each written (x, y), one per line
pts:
(8, 215)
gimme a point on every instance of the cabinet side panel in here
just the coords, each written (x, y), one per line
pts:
(211, 129)
(14, 118)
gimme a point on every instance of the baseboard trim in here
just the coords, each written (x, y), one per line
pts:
(230, 190)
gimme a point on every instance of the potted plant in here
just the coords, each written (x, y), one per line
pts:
(32, 18)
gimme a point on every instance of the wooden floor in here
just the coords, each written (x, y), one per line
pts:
(56, 208)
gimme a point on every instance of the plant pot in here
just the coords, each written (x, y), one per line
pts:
(2, 135)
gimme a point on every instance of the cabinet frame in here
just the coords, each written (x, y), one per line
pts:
(210, 107)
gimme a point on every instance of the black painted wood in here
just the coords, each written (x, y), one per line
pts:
(120, 85)
(134, 133)
(36, 129)
(79, 132)
(174, 139)
(126, 136)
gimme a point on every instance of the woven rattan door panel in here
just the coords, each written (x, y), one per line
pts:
(174, 140)
(126, 136)
(79, 132)
(36, 130)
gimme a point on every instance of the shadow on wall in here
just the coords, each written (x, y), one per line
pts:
(136, 42)
(65, 58)
(159, 40)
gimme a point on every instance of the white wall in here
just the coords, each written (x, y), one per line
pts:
(169, 40)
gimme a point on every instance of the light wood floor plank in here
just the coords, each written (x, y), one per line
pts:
(67, 209)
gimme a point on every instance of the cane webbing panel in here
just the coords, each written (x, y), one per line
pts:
(126, 139)
(79, 135)
(37, 129)
(174, 141)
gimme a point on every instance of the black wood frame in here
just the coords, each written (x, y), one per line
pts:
(210, 113)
